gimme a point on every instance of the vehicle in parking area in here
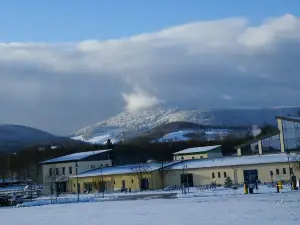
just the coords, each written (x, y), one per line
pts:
(4, 200)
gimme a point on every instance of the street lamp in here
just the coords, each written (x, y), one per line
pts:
(76, 165)
(288, 154)
(183, 179)
(103, 187)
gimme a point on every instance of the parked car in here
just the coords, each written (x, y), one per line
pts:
(4, 200)
(16, 199)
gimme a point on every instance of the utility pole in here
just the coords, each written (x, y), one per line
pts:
(288, 154)
(76, 165)
(102, 183)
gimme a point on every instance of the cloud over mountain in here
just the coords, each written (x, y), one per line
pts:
(211, 64)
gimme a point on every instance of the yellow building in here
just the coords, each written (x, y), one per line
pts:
(198, 153)
(136, 177)
(264, 168)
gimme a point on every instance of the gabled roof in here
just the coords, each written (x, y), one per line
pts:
(197, 150)
(236, 161)
(289, 118)
(75, 156)
(125, 169)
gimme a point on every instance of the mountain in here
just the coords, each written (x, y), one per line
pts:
(16, 137)
(127, 125)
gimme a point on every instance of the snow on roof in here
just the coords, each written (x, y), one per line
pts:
(75, 156)
(197, 149)
(236, 161)
(125, 169)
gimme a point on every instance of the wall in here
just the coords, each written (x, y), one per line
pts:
(203, 176)
(191, 156)
(83, 166)
(114, 182)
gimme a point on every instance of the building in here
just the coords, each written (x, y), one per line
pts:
(56, 172)
(142, 176)
(289, 128)
(265, 168)
(198, 153)
(284, 139)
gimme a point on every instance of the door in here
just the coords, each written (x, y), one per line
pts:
(123, 184)
(78, 188)
(187, 179)
(250, 176)
(144, 184)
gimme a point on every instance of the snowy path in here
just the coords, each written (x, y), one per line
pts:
(275, 209)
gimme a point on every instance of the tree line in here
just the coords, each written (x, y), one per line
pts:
(24, 164)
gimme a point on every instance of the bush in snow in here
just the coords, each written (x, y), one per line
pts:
(228, 182)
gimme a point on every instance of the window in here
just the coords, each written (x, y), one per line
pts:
(182, 157)
(101, 165)
(219, 174)
(93, 166)
(74, 185)
(50, 172)
(57, 171)
(213, 175)
(106, 164)
(131, 181)
(284, 171)
(70, 170)
(225, 175)
(64, 170)
(291, 171)
(201, 157)
(277, 171)
(193, 157)
(114, 182)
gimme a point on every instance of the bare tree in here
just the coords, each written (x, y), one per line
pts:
(142, 172)
(51, 181)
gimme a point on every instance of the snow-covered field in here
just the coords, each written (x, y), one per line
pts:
(221, 206)
(275, 209)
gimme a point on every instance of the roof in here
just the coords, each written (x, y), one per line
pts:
(263, 137)
(289, 118)
(124, 169)
(75, 156)
(236, 161)
(197, 150)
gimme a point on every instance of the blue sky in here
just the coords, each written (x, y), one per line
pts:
(75, 20)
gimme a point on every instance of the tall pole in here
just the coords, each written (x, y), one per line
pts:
(187, 178)
(77, 181)
(103, 186)
(290, 170)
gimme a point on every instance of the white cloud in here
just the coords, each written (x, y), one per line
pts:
(139, 100)
(61, 87)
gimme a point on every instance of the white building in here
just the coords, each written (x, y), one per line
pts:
(198, 153)
(56, 172)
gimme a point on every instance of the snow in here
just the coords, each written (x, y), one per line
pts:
(198, 149)
(234, 161)
(264, 209)
(145, 120)
(75, 156)
(176, 136)
(126, 169)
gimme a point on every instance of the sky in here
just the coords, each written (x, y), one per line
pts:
(68, 64)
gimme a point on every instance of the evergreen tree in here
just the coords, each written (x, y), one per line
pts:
(228, 182)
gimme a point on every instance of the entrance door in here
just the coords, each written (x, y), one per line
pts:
(187, 179)
(144, 184)
(250, 176)
(78, 188)
(123, 184)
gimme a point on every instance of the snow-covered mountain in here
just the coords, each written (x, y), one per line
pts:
(127, 125)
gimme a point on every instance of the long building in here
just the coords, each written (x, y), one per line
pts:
(265, 162)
